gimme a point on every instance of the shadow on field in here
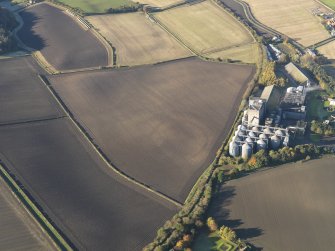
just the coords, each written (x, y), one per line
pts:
(28, 34)
(219, 209)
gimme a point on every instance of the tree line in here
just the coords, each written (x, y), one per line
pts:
(7, 25)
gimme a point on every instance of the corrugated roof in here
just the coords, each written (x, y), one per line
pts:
(296, 74)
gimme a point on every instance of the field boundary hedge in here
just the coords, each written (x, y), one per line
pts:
(33, 210)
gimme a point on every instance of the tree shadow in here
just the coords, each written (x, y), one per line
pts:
(219, 209)
(27, 33)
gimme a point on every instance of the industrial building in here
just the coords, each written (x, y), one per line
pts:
(296, 74)
(270, 121)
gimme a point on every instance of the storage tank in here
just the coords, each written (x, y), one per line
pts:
(246, 151)
(279, 133)
(252, 134)
(290, 90)
(267, 130)
(275, 142)
(234, 149)
(263, 136)
(249, 140)
(243, 127)
(241, 133)
(255, 129)
(300, 88)
(261, 145)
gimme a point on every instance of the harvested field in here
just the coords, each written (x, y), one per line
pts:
(137, 40)
(19, 231)
(246, 53)
(159, 3)
(92, 206)
(205, 27)
(23, 97)
(328, 50)
(160, 124)
(300, 24)
(285, 208)
(62, 41)
(96, 6)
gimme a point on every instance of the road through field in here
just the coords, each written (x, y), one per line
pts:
(161, 124)
(290, 207)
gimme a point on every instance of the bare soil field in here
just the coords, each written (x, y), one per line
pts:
(19, 231)
(23, 97)
(160, 124)
(292, 18)
(328, 50)
(245, 53)
(61, 40)
(159, 3)
(205, 27)
(286, 208)
(92, 206)
(137, 40)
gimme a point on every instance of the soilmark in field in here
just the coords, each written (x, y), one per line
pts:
(205, 27)
(292, 18)
(137, 40)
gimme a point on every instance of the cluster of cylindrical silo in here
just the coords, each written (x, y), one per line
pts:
(250, 139)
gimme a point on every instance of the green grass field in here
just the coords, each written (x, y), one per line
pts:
(212, 241)
(96, 6)
(330, 3)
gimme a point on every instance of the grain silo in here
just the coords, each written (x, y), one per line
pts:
(279, 133)
(246, 151)
(261, 145)
(234, 149)
(267, 131)
(275, 142)
(263, 136)
(252, 134)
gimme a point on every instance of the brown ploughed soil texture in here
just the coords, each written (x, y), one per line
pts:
(286, 208)
(161, 124)
(62, 41)
(88, 202)
(19, 231)
(92, 207)
(22, 95)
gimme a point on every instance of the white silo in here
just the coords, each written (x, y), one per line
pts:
(234, 149)
(286, 141)
(261, 145)
(267, 131)
(252, 134)
(246, 151)
(263, 136)
(279, 133)
(275, 142)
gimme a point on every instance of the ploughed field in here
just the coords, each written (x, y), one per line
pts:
(22, 96)
(292, 18)
(160, 124)
(19, 231)
(64, 43)
(286, 208)
(137, 40)
(91, 205)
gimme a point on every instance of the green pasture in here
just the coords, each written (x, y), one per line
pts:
(96, 6)
(329, 3)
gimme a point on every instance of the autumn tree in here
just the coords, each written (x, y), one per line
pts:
(212, 224)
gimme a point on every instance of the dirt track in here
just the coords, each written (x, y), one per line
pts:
(63, 43)
(286, 208)
(160, 124)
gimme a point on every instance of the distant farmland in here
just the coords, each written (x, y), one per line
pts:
(329, 3)
(285, 208)
(292, 18)
(137, 40)
(19, 231)
(96, 6)
(205, 27)
(328, 50)
(159, 3)
(160, 124)
(64, 43)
